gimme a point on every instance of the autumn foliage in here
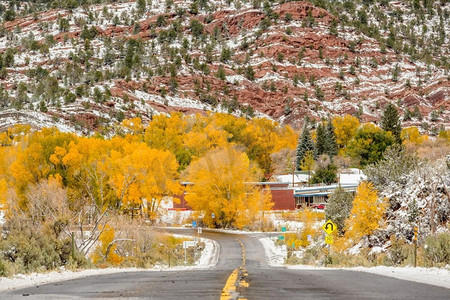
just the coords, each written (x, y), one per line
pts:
(366, 214)
(141, 164)
(223, 187)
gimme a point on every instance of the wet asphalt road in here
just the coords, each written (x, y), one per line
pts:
(264, 282)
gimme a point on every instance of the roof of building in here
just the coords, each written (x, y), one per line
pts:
(322, 190)
(298, 178)
(346, 176)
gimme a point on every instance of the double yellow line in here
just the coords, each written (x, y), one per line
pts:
(235, 280)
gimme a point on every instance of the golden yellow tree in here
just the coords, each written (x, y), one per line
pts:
(3, 191)
(366, 214)
(105, 252)
(413, 136)
(157, 176)
(133, 126)
(222, 183)
(32, 158)
(309, 219)
(345, 129)
(168, 133)
(307, 163)
(202, 139)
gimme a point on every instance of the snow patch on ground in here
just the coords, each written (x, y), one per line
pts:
(210, 254)
(433, 276)
(275, 255)
(208, 259)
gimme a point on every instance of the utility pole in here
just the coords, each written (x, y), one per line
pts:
(293, 173)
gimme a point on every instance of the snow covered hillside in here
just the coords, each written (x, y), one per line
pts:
(88, 67)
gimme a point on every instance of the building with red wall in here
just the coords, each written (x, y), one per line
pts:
(282, 196)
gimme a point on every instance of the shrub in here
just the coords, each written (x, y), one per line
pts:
(398, 252)
(437, 249)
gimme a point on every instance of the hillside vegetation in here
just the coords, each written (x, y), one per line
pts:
(84, 65)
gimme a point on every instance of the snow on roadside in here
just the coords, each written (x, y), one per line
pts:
(210, 254)
(275, 255)
(208, 259)
(432, 276)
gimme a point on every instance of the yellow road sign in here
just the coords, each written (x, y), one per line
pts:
(329, 239)
(329, 227)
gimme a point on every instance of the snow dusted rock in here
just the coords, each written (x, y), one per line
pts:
(422, 199)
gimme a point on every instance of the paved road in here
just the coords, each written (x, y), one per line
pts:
(263, 281)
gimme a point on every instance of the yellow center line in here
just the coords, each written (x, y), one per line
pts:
(235, 280)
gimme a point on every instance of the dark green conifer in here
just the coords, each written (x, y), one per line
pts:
(331, 144)
(305, 144)
(321, 140)
(390, 121)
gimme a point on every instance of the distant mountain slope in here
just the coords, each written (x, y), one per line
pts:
(87, 67)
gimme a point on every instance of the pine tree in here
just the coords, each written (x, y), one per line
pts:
(330, 144)
(390, 121)
(321, 140)
(141, 6)
(305, 144)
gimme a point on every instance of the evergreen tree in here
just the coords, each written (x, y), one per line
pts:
(368, 144)
(339, 207)
(326, 171)
(326, 175)
(141, 6)
(331, 144)
(390, 121)
(305, 144)
(321, 140)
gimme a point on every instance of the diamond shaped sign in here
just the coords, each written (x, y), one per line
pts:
(329, 227)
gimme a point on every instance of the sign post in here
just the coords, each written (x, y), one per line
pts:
(329, 227)
(415, 246)
(187, 244)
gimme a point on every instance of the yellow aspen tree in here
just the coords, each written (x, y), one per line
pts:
(345, 129)
(105, 252)
(133, 126)
(138, 173)
(309, 219)
(413, 136)
(259, 200)
(160, 180)
(3, 191)
(204, 139)
(307, 163)
(123, 173)
(222, 184)
(167, 134)
(366, 214)
(87, 171)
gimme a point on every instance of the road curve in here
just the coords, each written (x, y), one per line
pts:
(257, 281)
